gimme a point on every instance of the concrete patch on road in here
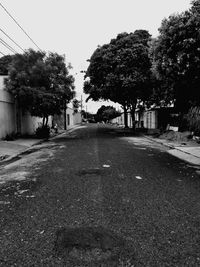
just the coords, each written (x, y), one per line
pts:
(90, 245)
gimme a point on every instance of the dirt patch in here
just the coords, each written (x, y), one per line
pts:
(176, 136)
(88, 244)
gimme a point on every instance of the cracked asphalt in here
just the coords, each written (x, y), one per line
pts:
(99, 197)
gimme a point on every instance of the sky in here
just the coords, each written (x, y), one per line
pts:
(75, 28)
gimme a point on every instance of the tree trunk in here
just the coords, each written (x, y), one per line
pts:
(47, 119)
(133, 106)
(65, 115)
(125, 117)
(43, 121)
(133, 117)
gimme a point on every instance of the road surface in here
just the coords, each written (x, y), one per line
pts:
(99, 197)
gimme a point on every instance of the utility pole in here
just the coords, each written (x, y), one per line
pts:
(81, 104)
(81, 109)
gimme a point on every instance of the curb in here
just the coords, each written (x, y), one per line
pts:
(171, 146)
(2, 162)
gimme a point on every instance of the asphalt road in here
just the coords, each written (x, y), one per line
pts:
(99, 197)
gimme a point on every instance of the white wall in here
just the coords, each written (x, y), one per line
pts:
(70, 117)
(8, 115)
(151, 119)
(77, 118)
(120, 120)
(7, 111)
(29, 124)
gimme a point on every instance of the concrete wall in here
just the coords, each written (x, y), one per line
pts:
(120, 120)
(29, 124)
(11, 118)
(146, 119)
(77, 118)
(7, 111)
(151, 119)
(70, 116)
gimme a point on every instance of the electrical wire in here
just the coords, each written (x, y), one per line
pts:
(2, 53)
(19, 26)
(8, 46)
(12, 40)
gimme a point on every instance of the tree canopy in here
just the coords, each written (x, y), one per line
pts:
(120, 71)
(5, 61)
(107, 113)
(177, 57)
(41, 83)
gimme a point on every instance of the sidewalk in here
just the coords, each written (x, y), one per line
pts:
(188, 151)
(11, 149)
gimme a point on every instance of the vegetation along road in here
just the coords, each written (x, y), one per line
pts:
(99, 197)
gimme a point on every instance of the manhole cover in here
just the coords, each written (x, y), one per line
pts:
(88, 244)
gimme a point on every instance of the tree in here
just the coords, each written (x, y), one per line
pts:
(76, 104)
(5, 61)
(120, 71)
(177, 57)
(106, 113)
(41, 83)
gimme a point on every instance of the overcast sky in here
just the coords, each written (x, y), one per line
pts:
(76, 27)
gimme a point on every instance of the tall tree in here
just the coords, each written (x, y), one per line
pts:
(41, 83)
(177, 57)
(120, 71)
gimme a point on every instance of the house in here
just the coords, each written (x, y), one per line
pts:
(151, 119)
(156, 118)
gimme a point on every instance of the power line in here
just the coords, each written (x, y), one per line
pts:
(2, 53)
(12, 40)
(19, 26)
(7, 46)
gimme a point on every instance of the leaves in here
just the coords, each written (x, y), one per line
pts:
(177, 57)
(120, 70)
(41, 83)
(106, 113)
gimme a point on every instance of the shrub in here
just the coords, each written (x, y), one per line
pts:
(10, 137)
(43, 131)
(193, 119)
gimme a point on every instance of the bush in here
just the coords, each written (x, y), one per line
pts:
(43, 132)
(193, 119)
(10, 137)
